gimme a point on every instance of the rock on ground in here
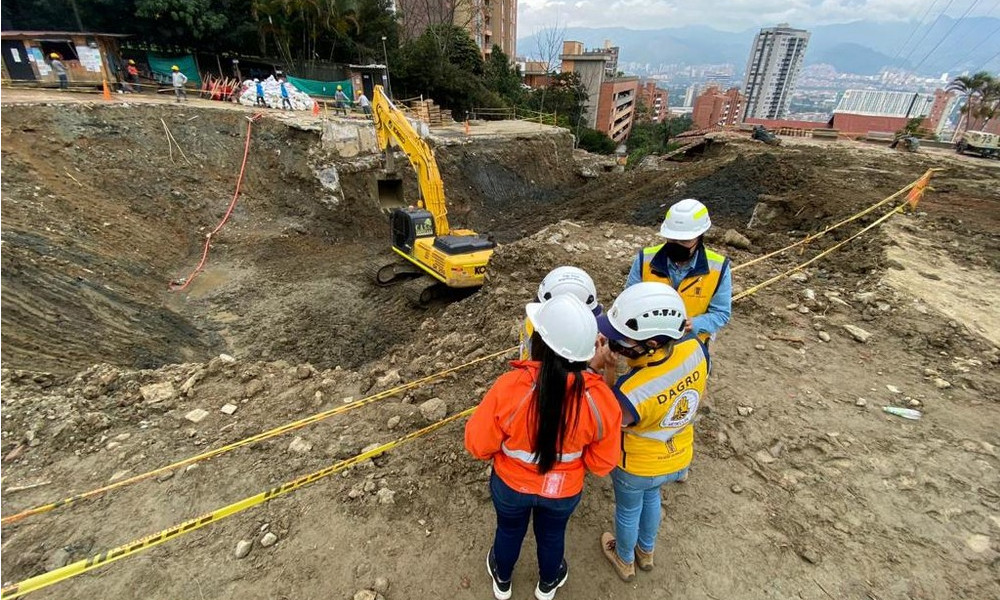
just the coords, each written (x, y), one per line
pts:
(859, 334)
(300, 446)
(157, 392)
(736, 239)
(243, 548)
(434, 409)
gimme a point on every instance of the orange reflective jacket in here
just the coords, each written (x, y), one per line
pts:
(500, 429)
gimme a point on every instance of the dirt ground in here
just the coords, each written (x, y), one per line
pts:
(802, 487)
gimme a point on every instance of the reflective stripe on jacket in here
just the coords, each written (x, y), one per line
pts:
(524, 339)
(697, 288)
(501, 429)
(664, 393)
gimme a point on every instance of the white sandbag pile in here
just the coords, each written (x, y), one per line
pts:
(272, 94)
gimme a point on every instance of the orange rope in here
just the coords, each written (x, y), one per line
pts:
(178, 286)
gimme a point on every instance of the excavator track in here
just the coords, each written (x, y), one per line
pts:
(395, 272)
(421, 291)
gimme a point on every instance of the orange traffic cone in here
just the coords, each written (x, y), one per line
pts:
(107, 90)
(315, 108)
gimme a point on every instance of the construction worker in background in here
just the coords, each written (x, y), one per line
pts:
(60, 70)
(659, 397)
(543, 425)
(701, 276)
(561, 280)
(285, 101)
(259, 87)
(365, 104)
(341, 100)
(179, 79)
(132, 76)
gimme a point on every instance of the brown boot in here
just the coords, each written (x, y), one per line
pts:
(625, 570)
(644, 560)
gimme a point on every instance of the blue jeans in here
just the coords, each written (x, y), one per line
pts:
(637, 510)
(514, 510)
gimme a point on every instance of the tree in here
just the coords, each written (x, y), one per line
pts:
(502, 77)
(444, 63)
(989, 101)
(548, 44)
(969, 87)
(654, 138)
(595, 141)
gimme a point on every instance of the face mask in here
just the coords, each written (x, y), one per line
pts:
(678, 253)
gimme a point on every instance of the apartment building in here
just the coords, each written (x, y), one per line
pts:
(489, 22)
(714, 108)
(611, 101)
(655, 100)
(773, 70)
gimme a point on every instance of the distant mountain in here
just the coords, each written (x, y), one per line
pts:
(862, 47)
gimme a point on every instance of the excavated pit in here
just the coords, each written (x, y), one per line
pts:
(101, 213)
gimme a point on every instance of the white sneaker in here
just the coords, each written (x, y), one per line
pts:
(502, 590)
(547, 591)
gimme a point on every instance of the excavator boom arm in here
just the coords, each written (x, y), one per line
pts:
(392, 125)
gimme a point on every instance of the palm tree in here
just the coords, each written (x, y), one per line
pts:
(989, 101)
(969, 88)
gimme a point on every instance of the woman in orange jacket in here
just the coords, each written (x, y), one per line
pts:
(544, 424)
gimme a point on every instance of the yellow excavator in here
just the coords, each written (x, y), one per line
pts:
(421, 234)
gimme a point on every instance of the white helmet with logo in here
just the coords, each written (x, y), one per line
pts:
(569, 280)
(685, 220)
(566, 325)
(643, 311)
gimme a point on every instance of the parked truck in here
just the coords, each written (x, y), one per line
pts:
(984, 144)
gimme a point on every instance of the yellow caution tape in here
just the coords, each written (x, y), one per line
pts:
(919, 184)
(776, 278)
(98, 560)
(250, 440)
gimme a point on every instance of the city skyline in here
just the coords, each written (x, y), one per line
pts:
(735, 15)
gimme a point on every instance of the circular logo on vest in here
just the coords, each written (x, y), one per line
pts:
(682, 411)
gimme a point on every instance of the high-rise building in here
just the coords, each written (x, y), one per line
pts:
(772, 71)
(489, 22)
(691, 93)
(714, 108)
(611, 101)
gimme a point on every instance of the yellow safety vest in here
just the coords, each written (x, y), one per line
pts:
(664, 392)
(697, 288)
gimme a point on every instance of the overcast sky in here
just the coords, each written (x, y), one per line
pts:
(732, 15)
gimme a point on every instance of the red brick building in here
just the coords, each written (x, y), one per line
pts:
(617, 106)
(655, 101)
(714, 108)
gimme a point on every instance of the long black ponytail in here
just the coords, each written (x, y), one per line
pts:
(554, 405)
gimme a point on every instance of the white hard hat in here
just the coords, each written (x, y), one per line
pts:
(643, 311)
(685, 220)
(566, 325)
(569, 280)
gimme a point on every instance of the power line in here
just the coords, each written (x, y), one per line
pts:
(913, 31)
(989, 37)
(941, 41)
(988, 61)
(928, 30)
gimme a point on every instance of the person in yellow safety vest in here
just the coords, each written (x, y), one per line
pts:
(659, 398)
(702, 277)
(559, 281)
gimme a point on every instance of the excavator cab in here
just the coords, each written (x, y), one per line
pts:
(409, 224)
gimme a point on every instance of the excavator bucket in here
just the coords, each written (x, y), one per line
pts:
(390, 194)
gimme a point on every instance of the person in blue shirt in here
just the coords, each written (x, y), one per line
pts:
(700, 275)
(260, 94)
(285, 100)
